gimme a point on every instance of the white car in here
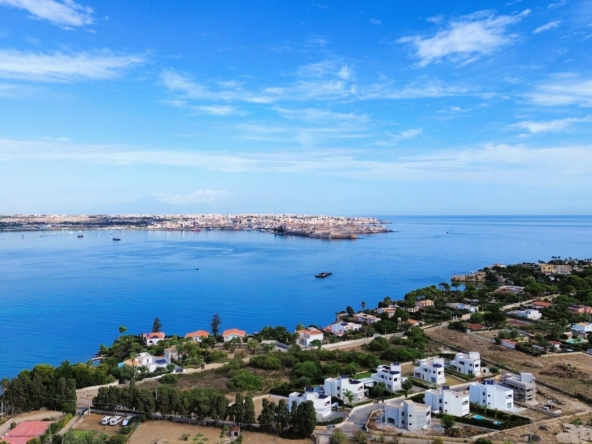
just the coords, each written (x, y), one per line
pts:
(105, 420)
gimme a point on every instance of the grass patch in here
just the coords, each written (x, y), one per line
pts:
(363, 375)
(81, 433)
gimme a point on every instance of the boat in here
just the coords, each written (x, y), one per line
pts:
(80, 235)
(116, 239)
(323, 275)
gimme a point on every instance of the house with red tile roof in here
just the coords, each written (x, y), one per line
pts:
(509, 344)
(475, 327)
(233, 333)
(197, 335)
(307, 336)
(153, 338)
(541, 304)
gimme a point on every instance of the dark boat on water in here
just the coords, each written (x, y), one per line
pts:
(116, 239)
(323, 275)
(80, 235)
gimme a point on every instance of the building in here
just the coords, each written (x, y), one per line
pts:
(547, 268)
(523, 386)
(475, 327)
(510, 289)
(171, 353)
(341, 328)
(391, 310)
(491, 395)
(529, 313)
(406, 414)
(581, 328)
(339, 386)
(153, 338)
(467, 363)
(145, 359)
(322, 402)
(366, 318)
(391, 375)
(508, 343)
(424, 303)
(307, 336)
(539, 305)
(198, 335)
(233, 333)
(448, 401)
(431, 370)
(563, 269)
(580, 309)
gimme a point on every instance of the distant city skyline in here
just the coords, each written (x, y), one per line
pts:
(339, 108)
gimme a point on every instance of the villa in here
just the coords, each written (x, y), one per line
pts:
(581, 328)
(431, 370)
(343, 327)
(322, 402)
(391, 375)
(491, 395)
(467, 363)
(406, 414)
(153, 338)
(448, 401)
(339, 386)
(233, 333)
(366, 318)
(197, 335)
(307, 336)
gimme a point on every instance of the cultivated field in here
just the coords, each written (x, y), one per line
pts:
(571, 372)
(163, 432)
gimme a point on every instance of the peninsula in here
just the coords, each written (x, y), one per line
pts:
(323, 227)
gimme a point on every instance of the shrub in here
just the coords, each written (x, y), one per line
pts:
(266, 362)
(378, 344)
(244, 380)
(169, 379)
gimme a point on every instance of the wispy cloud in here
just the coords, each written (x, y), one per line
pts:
(189, 199)
(547, 27)
(563, 90)
(465, 39)
(64, 13)
(61, 67)
(551, 126)
(376, 22)
(549, 165)
(217, 110)
(316, 115)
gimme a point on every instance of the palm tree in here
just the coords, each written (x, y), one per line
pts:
(347, 394)
(363, 304)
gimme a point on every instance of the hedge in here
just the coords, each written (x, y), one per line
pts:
(337, 420)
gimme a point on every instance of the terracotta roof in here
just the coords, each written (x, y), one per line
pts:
(153, 335)
(507, 341)
(198, 333)
(234, 331)
(542, 304)
(475, 327)
(310, 331)
(412, 322)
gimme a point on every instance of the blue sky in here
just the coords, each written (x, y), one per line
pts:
(335, 107)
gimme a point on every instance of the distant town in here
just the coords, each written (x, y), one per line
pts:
(323, 227)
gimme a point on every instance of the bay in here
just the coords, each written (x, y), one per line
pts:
(61, 296)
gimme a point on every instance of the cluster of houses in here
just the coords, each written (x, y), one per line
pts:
(409, 415)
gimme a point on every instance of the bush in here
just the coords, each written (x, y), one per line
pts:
(378, 344)
(266, 362)
(360, 437)
(169, 379)
(338, 437)
(244, 380)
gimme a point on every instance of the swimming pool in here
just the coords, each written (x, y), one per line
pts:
(483, 418)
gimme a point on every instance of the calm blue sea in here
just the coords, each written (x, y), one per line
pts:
(60, 296)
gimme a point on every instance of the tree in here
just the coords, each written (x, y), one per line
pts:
(317, 343)
(448, 421)
(282, 415)
(122, 329)
(349, 396)
(407, 385)
(363, 304)
(156, 325)
(215, 325)
(305, 420)
(350, 311)
(300, 327)
(249, 409)
(438, 441)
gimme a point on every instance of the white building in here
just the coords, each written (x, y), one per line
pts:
(391, 310)
(467, 363)
(491, 395)
(339, 386)
(343, 327)
(366, 318)
(145, 359)
(153, 338)
(406, 414)
(581, 328)
(529, 313)
(171, 353)
(307, 336)
(390, 375)
(322, 403)
(430, 370)
(233, 333)
(448, 401)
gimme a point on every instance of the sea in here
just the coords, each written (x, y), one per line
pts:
(62, 296)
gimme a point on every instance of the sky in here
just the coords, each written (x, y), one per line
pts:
(323, 107)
